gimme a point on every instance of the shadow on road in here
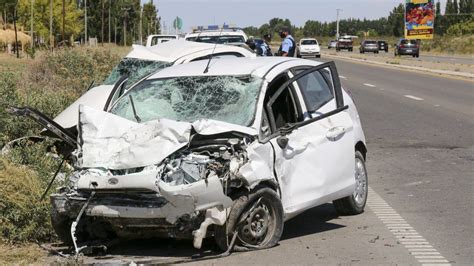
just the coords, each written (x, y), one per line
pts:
(159, 251)
(313, 221)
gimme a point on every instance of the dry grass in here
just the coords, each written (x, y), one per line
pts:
(21, 254)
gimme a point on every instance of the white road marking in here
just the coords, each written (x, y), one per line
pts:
(369, 85)
(342, 77)
(413, 97)
(406, 235)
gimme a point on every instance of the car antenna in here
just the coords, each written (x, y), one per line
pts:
(212, 54)
(134, 110)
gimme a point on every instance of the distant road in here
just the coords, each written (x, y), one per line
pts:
(467, 60)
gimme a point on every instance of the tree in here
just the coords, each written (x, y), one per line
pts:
(396, 21)
(151, 22)
(72, 20)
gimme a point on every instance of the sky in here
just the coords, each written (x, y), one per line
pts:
(243, 13)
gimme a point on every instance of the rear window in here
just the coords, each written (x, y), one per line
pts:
(408, 42)
(309, 42)
(221, 39)
(370, 42)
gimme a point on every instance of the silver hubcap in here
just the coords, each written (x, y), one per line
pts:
(360, 192)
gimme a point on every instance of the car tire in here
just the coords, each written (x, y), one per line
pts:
(350, 49)
(417, 55)
(62, 226)
(318, 56)
(260, 202)
(355, 203)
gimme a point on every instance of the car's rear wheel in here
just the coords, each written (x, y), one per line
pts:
(355, 203)
(318, 56)
(256, 218)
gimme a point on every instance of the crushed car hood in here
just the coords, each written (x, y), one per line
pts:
(112, 142)
(95, 97)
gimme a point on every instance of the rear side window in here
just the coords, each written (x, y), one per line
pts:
(316, 90)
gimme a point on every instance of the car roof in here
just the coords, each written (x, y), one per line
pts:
(175, 49)
(256, 66)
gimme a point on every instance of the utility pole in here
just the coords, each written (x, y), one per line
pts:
(337, 23)
(64, 16)
(125, 21)
(102, 23)
(31, 25)
(115, 33)
(109, 21)
(51, 41)
(85, 22)
(141, 25)
(16, 35)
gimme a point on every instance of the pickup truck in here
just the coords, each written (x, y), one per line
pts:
(344, 44)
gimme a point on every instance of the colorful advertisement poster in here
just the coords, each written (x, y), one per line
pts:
(419, 19)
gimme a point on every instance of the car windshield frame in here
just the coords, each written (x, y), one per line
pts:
(249, 106)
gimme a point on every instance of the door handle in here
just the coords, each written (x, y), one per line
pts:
(335, 133)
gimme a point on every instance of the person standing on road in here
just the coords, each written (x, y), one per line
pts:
(288, 46)
(264, 48)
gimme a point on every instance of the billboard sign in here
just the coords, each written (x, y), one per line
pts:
(419, 19)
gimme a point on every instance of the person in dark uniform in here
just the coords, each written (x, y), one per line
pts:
(263, 48)
(288, 46)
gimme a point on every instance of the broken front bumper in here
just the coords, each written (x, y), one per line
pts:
(147, 209)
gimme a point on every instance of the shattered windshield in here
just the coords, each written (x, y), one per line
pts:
(135, 69)
(230, 99)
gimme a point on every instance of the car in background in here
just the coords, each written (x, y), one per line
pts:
(407, 47)
(159, 38)
(370, 46)
(308, 47)
(383, 46)
(140, 63)
(190, 154)
(344, 44)
(232, 36)
(332, 44)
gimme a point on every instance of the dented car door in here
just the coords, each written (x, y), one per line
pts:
(314, 157)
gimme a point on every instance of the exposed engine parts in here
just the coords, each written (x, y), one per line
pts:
(195, 164)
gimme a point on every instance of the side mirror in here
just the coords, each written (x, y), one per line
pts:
(282, 142)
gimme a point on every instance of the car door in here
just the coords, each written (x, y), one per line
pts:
(314, 158)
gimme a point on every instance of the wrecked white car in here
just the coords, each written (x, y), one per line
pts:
(229, 149)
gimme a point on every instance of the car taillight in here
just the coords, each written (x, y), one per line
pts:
(402, 46)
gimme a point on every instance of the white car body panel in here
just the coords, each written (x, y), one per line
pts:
(95, 98)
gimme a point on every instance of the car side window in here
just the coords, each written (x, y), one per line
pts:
(317, 89)
(282, 107)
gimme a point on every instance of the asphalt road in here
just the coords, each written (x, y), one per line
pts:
(420, 137)
(467, 60)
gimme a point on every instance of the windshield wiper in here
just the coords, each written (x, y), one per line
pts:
(134, 110)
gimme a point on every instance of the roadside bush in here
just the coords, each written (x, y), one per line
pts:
(22, 216)
(50, 84)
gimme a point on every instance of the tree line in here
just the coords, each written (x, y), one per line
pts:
(457, 19)
(64, 21)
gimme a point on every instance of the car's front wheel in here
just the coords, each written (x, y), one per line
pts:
(355, 203)
(256, 218)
